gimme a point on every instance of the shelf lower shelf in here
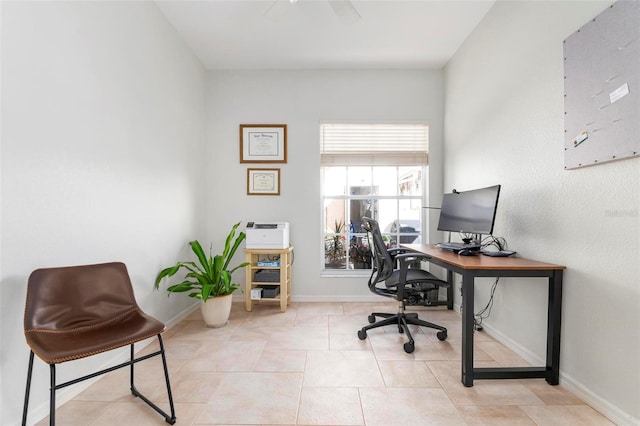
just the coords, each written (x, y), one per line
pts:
(283, 276)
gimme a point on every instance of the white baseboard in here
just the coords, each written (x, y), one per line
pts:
(336, 299)
(604, 407)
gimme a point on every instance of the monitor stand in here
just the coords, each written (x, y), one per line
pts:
(477, 239)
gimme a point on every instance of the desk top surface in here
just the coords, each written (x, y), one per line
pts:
(480, 261)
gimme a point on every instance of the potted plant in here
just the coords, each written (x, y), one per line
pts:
(209, 280)
(360, 255)
(335, 255)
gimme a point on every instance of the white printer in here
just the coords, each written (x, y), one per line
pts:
(273, 235)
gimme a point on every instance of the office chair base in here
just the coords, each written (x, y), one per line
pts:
(402, 320)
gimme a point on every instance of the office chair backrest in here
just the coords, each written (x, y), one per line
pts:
(77, 296)
(382, 261)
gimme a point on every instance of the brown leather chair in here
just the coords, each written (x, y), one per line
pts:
(78, 311)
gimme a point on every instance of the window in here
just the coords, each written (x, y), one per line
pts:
(374, 170)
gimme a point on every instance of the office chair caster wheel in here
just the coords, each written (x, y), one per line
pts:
(441, 335)
(409, 347)
(362, 334)
(372, 319)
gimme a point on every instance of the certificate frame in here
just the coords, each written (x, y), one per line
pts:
(263, 181)
(263, 143)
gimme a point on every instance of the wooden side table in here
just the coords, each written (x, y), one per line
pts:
(283, 269)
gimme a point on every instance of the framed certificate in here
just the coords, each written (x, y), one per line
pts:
(263, 143)
(263, 181)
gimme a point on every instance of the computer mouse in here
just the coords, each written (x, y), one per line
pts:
(465, 252)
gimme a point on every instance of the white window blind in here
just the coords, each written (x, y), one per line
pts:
(374, 144)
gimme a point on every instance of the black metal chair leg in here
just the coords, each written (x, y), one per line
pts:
(172, 420)
(132, 385)
(405, 326)
(391, 320)
(382, 314)
(52, 400)
(423, 323)
(27, 392)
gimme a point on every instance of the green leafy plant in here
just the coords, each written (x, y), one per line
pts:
(334, 245)
(210, 277)
(360, 255)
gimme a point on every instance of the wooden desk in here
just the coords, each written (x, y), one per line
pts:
(471, 267)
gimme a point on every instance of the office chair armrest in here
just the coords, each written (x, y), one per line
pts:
(399, 250)
(406, 259)
(410, 256)
(395, 252)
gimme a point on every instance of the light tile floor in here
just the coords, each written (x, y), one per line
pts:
(306, 366)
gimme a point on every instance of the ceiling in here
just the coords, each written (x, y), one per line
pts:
(309, 34)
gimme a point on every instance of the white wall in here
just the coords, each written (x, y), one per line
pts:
(302, 100)
(102, 156)
(103, 151)
(504, 124)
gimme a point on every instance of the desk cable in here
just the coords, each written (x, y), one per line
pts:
(480, 316)
(499, 242)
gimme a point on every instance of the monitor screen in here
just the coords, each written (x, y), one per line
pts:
(471, 212)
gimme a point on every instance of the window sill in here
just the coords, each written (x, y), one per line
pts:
(359, 273)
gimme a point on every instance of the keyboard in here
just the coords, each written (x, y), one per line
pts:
(501, 253)
(459, 246)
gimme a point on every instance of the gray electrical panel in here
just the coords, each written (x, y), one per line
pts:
(602, 88)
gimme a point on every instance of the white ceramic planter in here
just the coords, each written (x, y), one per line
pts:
(216, 311)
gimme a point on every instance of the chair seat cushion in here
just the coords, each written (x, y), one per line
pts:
(56, 346)
(416, 276)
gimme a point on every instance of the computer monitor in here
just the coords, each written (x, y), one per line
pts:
(469, 212)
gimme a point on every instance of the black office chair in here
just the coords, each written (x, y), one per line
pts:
(392, 276)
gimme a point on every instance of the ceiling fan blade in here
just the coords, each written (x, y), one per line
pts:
(345, 10)
(278, 9)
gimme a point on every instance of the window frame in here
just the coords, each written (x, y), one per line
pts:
(374, 144)
(346, 233)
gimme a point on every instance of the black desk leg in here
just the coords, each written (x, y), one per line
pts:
(553, 328)
(450, 289)
(467, 328)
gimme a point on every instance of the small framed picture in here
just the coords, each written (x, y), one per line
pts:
(263, 143)
(263, 181)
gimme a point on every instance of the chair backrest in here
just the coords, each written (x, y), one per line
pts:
(382, 263)
(77, 296)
